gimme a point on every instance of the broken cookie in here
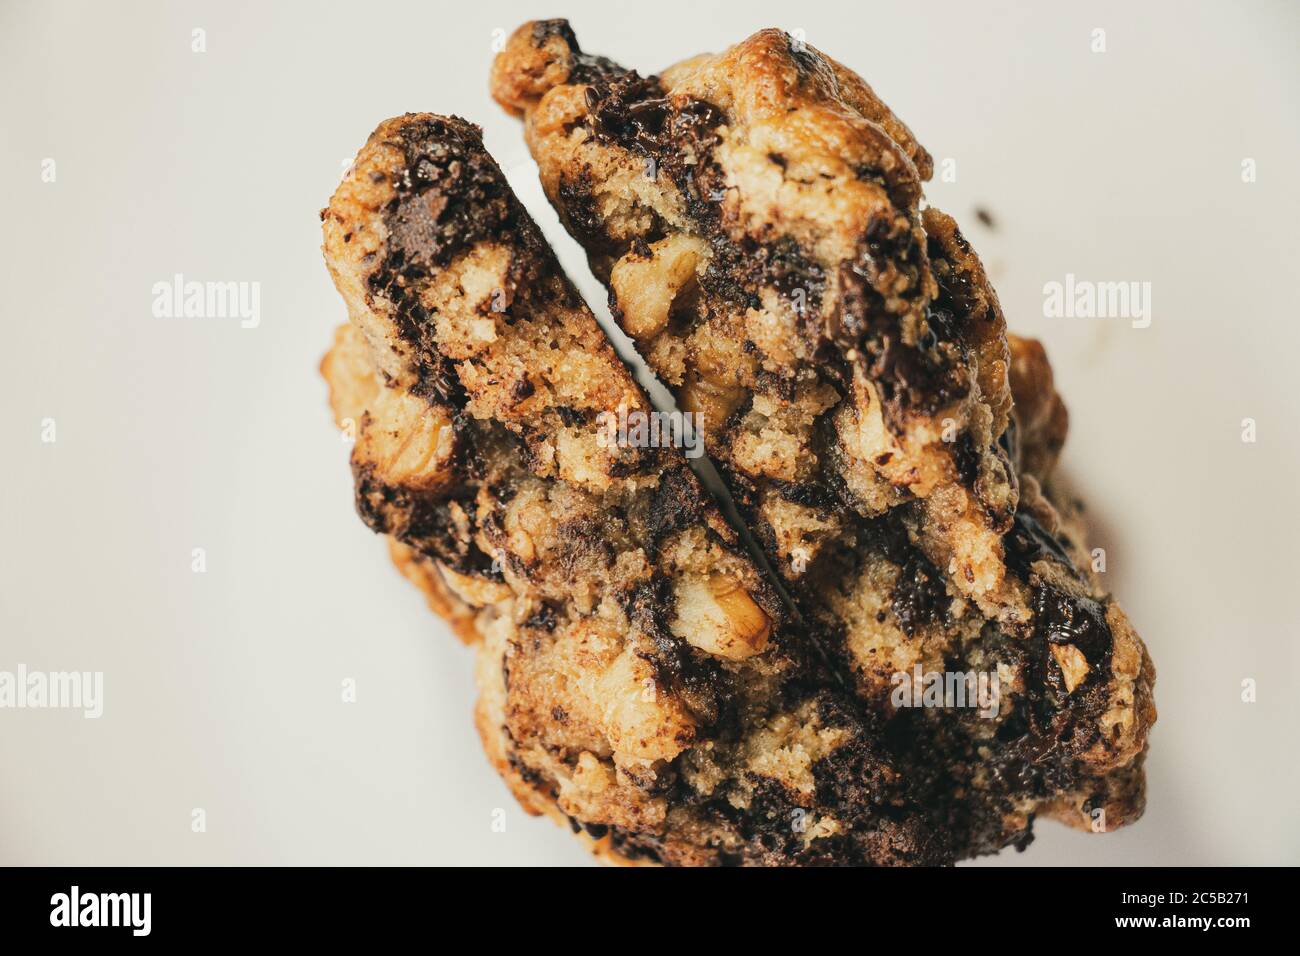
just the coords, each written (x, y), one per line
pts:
(640, 678)
(756, 217)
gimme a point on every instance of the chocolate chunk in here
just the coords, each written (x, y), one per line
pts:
(920, 595)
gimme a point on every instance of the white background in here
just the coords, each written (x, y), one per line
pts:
(222, 690)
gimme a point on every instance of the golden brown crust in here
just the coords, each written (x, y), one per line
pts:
(441, 599)
(1041, 416)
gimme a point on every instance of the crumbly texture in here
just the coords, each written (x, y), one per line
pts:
(756, 216)
(639, 678)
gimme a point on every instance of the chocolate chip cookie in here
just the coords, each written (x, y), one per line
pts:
(756, 216)
(639, 677)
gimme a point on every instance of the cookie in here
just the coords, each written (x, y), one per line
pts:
(639, 677)
(756, 217)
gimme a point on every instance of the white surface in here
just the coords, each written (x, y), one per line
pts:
(223, 689)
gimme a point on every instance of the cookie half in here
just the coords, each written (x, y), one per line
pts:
(756, 217)
(639, 677)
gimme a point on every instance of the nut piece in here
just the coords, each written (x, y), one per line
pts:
(647, 288)
(713, 402)
(409, 441)
(719, 617)
(642, 724)
(474, 590)
(1074, 668)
